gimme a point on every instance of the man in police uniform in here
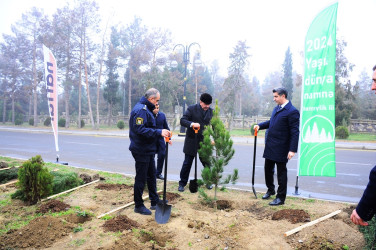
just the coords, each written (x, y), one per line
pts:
(144, 135)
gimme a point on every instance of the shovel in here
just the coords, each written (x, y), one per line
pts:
(254, 165)
(193, 187)
(163, 210)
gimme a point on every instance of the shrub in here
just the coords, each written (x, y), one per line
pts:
(7, 175)
(18, 121)
(120, 124)
(342, 132)
(31, 121)
(65, 181)
(61, 122)
(82, 123)
(47, 122)
(34, 180)
(369, 233)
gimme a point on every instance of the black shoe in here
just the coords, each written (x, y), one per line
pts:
(181, 188)
(160, 177)
(267, 195)
(276, 202)
(153, 207)
(142, 210)
(209, 186)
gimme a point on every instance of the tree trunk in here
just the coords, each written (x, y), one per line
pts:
(100, 74)
(35, 85)
(79, 87)
(67, 87)
(130, 91)
(87, 86)
(4, 109)
(13, 119)
(109, 119)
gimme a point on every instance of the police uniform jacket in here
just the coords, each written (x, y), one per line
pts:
(161, 123)
(283, 133)
(366, 208)
(194, 113)
(143, 132)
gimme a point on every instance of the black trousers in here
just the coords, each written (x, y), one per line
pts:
(281, 177)
(160, 160)
(186, 169)
(145, 172)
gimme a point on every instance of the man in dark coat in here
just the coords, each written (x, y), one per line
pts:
(366, 208)
(143, 135)
(198, 115)
(281, 144)
(161, 122)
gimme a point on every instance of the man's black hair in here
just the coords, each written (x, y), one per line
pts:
(206, 98)
(281, 91)
(374, 68)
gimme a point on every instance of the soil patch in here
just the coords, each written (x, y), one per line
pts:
(41, 232)
(115, 187)
(172, 197)
(292, 215)
(77, 219)
(53, 206)
(120, 223)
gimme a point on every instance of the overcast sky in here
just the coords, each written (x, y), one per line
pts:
(269, 27)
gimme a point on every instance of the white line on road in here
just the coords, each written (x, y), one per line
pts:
(82, 143)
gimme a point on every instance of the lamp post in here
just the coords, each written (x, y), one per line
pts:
(186, 61)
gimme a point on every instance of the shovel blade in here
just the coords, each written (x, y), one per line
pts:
(193, 187)
(254, 191)
(162, 213)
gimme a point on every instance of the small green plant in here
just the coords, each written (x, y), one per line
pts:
(34, 180)
(369, 234)
(190, 244)
(345, 247)
(78, 229)
(342, 132)
(64, 181)
(78, 242)
(216, 149)
(107, 217)
(120, 124)
(7, 175)
(82, 123)
(206, 199)
(61, 122)
(47, 122)
(31, 121)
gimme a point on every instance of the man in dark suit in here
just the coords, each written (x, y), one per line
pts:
(281, 144)
(198, 115)
(366, 208)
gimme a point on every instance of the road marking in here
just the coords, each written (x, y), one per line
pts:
(82, 143)
(355, 175)
(354, 163)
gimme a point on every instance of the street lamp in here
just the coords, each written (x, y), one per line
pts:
(186, 61)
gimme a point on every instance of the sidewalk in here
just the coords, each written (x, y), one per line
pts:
(125, 133)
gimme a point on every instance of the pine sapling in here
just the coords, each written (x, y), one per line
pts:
(216, 149)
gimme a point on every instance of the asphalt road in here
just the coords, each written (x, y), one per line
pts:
(110, 153)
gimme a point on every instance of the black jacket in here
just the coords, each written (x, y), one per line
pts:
(196, 114)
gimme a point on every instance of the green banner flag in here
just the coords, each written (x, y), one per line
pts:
(317, 122)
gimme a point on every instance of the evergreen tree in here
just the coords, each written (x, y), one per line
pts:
(217, 154)
(287, 74)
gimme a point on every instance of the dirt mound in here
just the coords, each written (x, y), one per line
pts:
(120, 223)
(53, 206)
(257, 211)
(77, 219)
(116, 187)
(172, 197)
(292, 215)
(41, 232)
